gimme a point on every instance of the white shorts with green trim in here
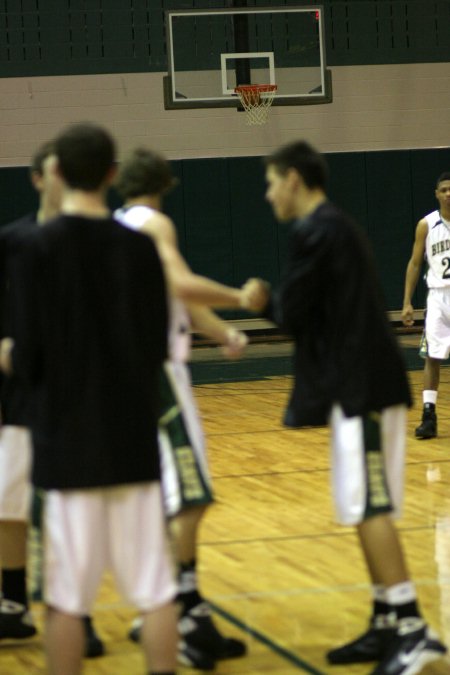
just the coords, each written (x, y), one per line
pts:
(185, 475)
(15, 468)
(368, 458)
(437, 323)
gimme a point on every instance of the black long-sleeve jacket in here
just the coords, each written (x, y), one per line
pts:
(331, 302)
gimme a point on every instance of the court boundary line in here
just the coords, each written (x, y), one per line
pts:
(263, 639)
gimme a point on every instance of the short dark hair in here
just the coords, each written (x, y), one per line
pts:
(41, 154)
(302, 157)
(144, 172)
(442, 177)
(85, 153)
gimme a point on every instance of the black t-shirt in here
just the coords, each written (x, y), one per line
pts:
(91, 335)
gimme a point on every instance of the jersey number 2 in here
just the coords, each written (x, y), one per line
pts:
(446, 263)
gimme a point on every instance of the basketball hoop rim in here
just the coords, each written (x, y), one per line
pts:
(256, 88)
(256, 99)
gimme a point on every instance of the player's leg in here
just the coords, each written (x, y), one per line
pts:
(64, 642)
(437, 330)
(184, 529)
(145, 570)
(159, 639)
(187, 493)
(15, 491)
(431, 375)
(93, 646)
(396, 626)
(15, 498)
(350, 490)
(74, 558)
(201, 643)
(13, 552)
(409, 644)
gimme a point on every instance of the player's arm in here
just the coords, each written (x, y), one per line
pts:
(413, 271)
(6, 347)
(183, 283)
(206, 322)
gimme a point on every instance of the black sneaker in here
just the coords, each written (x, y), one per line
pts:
(371, 646)
(428, 426)
(15, 621)
(135, 631)
(196, 628)
(413, 646)
(94, 646)
(194, 658)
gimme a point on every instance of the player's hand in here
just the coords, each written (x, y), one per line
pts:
(235, 344)
(255, 295)
(408, 315)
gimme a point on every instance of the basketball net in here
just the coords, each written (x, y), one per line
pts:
(256, 100)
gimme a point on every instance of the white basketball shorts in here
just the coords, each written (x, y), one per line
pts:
(15, 468)
(437, 323)
(185, 475)
(118, 528)
(368, 456)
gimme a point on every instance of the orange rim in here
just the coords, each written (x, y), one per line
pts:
(255, 88)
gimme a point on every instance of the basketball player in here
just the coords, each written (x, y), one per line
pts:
(143, 178)
(15, 443)
(90, 337)
(432, 243)
(348, 371)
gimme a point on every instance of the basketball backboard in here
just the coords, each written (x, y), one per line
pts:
(210, 52)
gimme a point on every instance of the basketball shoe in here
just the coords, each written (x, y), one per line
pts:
(413, 646)
(197, 629)
(428, 426)
(15, 621)
(94, 646)
(370, 646)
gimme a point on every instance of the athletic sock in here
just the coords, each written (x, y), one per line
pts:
(403, 600)
(188, 594)
(429, 396)
(14, 585)
(382, 613)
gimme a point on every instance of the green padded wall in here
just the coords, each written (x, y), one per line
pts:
(347, 183)
(389, 216)
(206, 198)
(254, 231)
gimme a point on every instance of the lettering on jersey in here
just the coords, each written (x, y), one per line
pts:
(190, 482)
(378, 493)
(440, 247)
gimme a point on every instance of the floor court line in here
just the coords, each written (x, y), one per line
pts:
(320, 590)
(285, 654)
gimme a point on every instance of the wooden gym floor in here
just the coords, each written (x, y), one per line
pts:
(280, 573)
